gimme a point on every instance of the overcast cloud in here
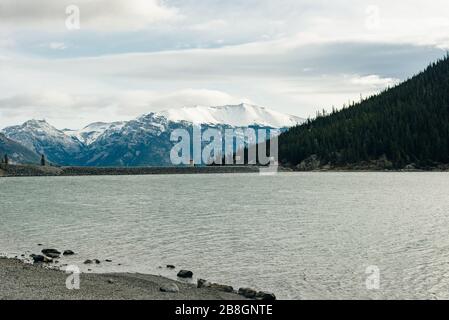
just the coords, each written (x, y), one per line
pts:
(137, 56)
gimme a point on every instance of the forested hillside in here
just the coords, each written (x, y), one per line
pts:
(407, 124)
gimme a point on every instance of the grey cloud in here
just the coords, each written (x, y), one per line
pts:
(387, 60)
(105, 15)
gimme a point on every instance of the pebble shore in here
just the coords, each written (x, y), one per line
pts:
(22, 281)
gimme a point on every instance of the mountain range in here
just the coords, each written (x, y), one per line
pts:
(144, 141)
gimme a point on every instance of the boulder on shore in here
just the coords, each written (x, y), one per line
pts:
(309, 164)
(37, 258)
(201, 283)
(170, 288)
(185, 274)
(222, 287)
(265, 296)
(247, 293)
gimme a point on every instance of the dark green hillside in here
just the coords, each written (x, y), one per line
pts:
(403, 125)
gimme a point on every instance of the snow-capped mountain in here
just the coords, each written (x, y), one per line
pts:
(140, 142)
(42, 138)
(242, 115)
(144, 141)
(90, 133)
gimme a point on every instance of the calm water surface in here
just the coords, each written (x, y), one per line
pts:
(301, 236)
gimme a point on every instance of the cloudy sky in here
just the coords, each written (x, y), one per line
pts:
(126, 58)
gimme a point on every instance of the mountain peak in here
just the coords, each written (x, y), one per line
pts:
(36, 122)
(241, 115)
(90, 133)
(42, 138)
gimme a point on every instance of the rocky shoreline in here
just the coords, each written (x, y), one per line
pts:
(33, 170)
(44, 276)
(45, 171)
(314, 164)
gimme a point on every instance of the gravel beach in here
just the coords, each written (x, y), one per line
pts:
(21, 281)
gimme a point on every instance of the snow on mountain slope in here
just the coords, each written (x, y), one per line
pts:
(16, 152)
(242, 115)
(238, 116)
(92, 132)
(42, 138)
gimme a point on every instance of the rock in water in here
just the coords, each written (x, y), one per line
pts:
(37, 258)
(88, 261)
(171, 288)
(170, 266)
(185, 274)
(247, 293)
(52, 255)
(265, 296)
(68, 253)
(45, 251)
(97, 261)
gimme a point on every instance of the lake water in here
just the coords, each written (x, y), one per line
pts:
(301, 236)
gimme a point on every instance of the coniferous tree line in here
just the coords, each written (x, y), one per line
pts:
(405, 124)
(4, 159)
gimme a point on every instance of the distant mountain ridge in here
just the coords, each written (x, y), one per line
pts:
(144, 141)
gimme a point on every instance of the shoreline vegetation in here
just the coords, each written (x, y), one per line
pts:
(46, 279)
